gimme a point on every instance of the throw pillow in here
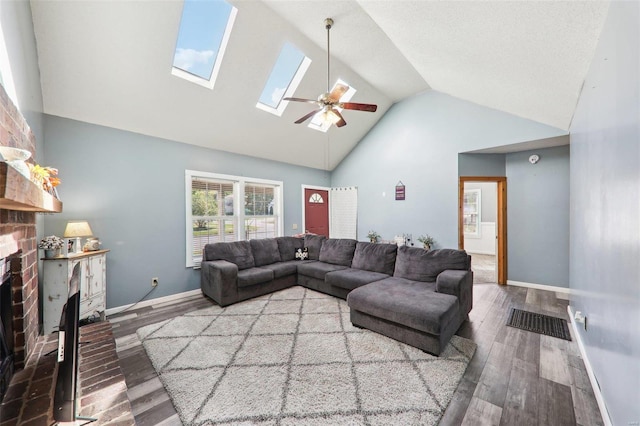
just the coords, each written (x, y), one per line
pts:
(302, 254)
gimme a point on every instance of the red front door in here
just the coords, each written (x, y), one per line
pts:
(316, 211)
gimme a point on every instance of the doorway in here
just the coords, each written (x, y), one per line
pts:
(316, 211)
(482, 230)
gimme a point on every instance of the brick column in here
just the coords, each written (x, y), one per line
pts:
(18, 240)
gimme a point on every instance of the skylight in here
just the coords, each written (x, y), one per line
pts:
(285, 77)
(205, 28)
(317, 123)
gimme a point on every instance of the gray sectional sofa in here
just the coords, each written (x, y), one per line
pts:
(415, 296)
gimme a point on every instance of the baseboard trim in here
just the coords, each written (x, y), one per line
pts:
(488, 253)
(163, 299)
(556, 289)
(592, 377)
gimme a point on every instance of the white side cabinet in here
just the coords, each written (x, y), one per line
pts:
(93, 286)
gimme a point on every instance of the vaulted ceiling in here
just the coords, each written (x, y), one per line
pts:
(109, 63)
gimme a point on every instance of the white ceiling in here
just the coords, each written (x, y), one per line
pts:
(109, 63)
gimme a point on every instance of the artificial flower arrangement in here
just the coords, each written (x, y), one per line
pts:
(45, 177)
(51, 243)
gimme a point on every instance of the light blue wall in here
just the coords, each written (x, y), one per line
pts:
(417, 142)
(538, 217)
(605, 213)
(131, 189)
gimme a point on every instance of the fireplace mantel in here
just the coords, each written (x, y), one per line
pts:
(19, 193)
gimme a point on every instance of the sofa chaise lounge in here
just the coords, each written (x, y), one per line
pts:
(412, 295)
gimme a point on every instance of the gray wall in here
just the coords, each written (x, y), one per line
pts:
(481, 165)
(417, 142)
(538, 217)
(131, 189)
(537, 211)
(605, 213)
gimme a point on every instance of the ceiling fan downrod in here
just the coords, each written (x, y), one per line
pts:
(328, 23)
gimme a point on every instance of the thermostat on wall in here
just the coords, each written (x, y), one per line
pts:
(534, 159)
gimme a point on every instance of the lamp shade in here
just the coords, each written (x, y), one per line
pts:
(78, 228)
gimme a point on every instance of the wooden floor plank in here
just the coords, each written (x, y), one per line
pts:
(554, 360)
(482, 413)
(555, 404)
(494, 382)
(521, 404)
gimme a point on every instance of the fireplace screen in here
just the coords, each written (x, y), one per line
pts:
(6, 330)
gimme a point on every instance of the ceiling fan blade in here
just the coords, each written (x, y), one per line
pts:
(310, 101)
(340, 122)
(337, 92)
(308, 116)
(358, 107)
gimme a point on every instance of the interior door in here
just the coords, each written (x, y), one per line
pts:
(501, 222)
(316, 211)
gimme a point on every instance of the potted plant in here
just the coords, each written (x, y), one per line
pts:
(427, 241)
(51, 245)
(373, 236)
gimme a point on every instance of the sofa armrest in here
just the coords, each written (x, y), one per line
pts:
(219, 281)
(457, 283)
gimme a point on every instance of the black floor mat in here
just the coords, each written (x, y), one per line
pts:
(538, 323)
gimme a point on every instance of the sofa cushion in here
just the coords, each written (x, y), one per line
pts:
(238, 252)
(314, 244)
(410, 303)
(283, 269)
(418, 264)
(253, 276)
(375, 257)
(287, 247)
(338, 251)
(317, 269)
(352, 278)
(265, 251)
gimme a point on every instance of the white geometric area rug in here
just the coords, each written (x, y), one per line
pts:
(293, 358)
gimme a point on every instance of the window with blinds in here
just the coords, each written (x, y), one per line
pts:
(212, 218)
(260, 214)
(223, 208)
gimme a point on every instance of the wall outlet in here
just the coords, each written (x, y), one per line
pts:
(581, 318)
(294, 226)
(154, 282)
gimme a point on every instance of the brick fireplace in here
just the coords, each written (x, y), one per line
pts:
(18, 245)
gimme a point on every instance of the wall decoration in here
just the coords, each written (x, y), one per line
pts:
(400, 193)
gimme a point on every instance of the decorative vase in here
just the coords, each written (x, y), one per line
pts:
(50, 253)
(16, 157)
(427, 247)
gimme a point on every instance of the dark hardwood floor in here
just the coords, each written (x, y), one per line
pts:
(515, 377)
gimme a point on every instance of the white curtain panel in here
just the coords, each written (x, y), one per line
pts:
(343, 212)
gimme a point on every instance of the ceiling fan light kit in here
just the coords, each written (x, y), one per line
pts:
(329, 103)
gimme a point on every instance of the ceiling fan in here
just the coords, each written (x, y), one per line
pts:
(329, 102)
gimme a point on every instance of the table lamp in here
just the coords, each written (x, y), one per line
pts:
(77, 229)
